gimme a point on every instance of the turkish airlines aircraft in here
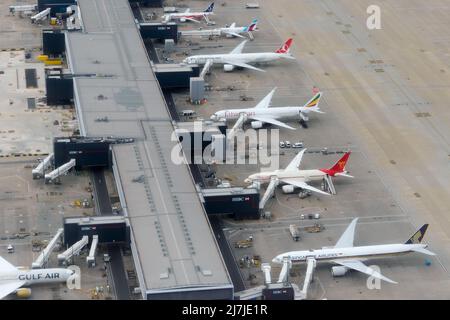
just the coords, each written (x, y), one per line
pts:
(238, 59)
(347, 256)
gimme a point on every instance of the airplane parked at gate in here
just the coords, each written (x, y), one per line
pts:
(12, 279)
(292, 177)
(238, 59)
(190, 16)
(347, 256)
(262, 113)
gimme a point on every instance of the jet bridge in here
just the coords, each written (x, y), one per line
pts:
(39, 171)
(269, 192)
(45, 254)
(90, 260)
(60, 171)
(41, 15)
(23, 8)
(206, 68)
(73, 250)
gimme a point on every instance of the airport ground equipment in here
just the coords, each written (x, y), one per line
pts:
(73, 250)
(90, 260)
(293, 229)
(327, 185)
(60, 171)
(45, 254)
(39, 171)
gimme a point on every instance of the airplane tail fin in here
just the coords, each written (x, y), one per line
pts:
(210, 7)
(252, 26)
(313, 103)
(418, 236)
(339, 167)
(285, 47)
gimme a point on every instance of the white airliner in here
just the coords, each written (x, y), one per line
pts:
(189, 16)
(12, 279)
(261, 113)
(292, 177)
(349, 257)
(238, 59)
(231, 31)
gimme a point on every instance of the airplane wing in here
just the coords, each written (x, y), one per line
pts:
(243, 65)
(295, 163)
(271, 121)
(361, 267)
(347, 238)
(302, 184)
(234, 34)
(239, 122)
(6, 266)
(239, 48)
(192, 20)
(265, 102)
(9, 287)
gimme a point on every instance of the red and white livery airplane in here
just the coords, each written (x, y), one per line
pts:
(292, 177)
(238, 59)
(190, 16)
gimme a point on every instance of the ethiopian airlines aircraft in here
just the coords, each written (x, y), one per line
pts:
(348, 256)
(238, 59)
(261, 113)
(190, 16)
(292, 177)
(12, 279)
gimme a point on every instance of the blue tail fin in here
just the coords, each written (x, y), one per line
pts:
(210, 8)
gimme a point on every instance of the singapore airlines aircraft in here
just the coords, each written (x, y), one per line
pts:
(347, 256)
(13, 279)
(238, 59)
(261, 113)
(190, 16)
(293, 177)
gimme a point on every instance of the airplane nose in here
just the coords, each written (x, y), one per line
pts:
(214, 117)
(276, 260)
(247, 180)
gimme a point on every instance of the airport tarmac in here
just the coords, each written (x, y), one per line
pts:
(385, 98)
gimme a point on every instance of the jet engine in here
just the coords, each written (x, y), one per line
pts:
(288, 188)
(228, 67)
(23, 292)
(256, 124)
(182, 20)
(339, 271)
(303, 116)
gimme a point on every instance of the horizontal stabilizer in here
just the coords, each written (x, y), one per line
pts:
(342, 174)
(424, 251)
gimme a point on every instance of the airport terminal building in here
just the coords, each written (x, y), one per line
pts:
(174, 249)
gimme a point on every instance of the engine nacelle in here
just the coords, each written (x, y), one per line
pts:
(228, 67)
(256, 124)
(182, 20)
(288, 188)
(23, 293)
(303, 116)
(339, 271)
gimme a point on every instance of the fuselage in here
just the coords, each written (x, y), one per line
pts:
(238, 57)
(305, 175)
(192, 15)
(362, 252)
(272, 112)
(37, 275)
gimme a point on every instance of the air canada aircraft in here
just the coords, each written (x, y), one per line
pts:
(238, 59)
(347, 256)
(13, 279)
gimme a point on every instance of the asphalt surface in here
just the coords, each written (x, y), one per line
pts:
(103, 207)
